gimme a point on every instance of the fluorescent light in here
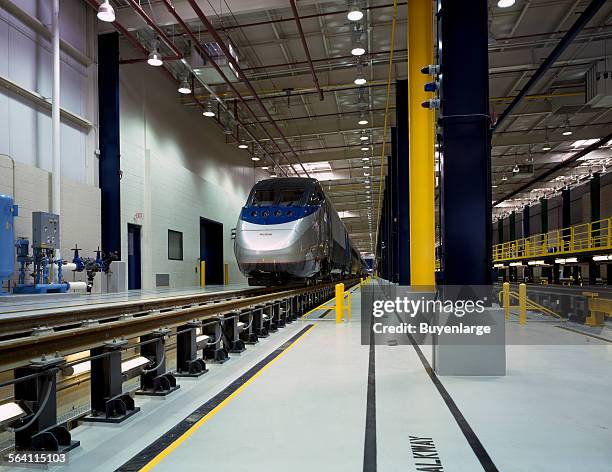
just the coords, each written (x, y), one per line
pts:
(546, 147)
(354, 13)
(360, 80)
(603, 257)
(135, 363)
(255, 158)
(516, 264)
(362, 122)
(265, 167)
(184, 88)
(243, 145)
(567, 133)
(535, 263)
(571, 260)
(498, 266)
(584, 142)
(365, 158)
(505, 3)
(363, 137)
(106, 12)
(10, 412)
(559, 261)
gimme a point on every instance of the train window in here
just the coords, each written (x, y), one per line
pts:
(317, 198)
(263, 197)
(290, 196)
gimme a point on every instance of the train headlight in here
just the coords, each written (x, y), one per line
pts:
(278, 213)
(265, 214)
(289, 213)
(253, 213)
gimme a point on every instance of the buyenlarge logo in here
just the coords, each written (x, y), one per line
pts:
(421, 306)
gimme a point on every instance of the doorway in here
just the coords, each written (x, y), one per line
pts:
(211, 250)
(134, 260)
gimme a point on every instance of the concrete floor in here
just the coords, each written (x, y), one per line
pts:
(307, 410)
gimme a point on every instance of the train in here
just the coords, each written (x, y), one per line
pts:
(288, 230)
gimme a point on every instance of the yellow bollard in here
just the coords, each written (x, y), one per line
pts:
(339, 302)
(226, 274)
(522, 304)
(348, 309)
(202, 273)
(506, 299)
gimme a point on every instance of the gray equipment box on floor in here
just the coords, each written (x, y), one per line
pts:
(471, 354)
(45, 230)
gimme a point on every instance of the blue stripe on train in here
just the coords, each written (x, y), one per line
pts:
(274, 215)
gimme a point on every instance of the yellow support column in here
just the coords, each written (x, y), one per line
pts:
(522, 304)
(202, 273)
(421, 145)
(339, 302)
(348, 307)
(506, 299)
(226, 274)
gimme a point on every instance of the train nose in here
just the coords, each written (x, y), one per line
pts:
(263, 241)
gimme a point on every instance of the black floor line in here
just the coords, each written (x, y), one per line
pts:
(369, 447)
(479, 450)
(324, 314)
(152, 450)
(585, 333)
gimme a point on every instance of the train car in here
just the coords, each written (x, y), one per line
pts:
(289, 230)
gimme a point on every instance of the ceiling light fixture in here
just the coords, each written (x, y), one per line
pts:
(546, 147)
(354, 13)
(155, 58)
(364, 137)
(360, 79)
(184, 88)
(505, 3)
(358, 49)
(516, 169)
(255, 158)
(209, 113)
(106, 12)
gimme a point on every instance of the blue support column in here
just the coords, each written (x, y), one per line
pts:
(394, 208)
(466, 170)
(403, 183)
(110, 164)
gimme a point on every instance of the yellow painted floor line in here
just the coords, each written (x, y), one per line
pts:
(162, 455)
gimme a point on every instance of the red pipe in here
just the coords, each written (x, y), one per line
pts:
(241, 75)
(205, 54)
(296, 15)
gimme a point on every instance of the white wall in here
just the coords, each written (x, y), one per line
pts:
(176, 168)
(25, 127)
(26, 58)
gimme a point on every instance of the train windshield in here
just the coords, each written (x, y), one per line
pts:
(285, 192)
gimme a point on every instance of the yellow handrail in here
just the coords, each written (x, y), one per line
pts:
(584, 237)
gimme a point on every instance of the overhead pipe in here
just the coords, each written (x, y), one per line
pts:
(56, 162)
(315, 79)
(580, 23)
(207, 56)
(593, 147)
(196, 8)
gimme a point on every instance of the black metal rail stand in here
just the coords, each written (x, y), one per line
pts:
(231, 333)
(286, 312)
(279, 314)
(215, 351)
(271, 324)
(108, 402)
(39, 431)
(259, 322)
(188, 364)
(247, 334)
(156, 381)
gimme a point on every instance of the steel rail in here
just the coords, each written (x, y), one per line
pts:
(70, 340)
(12, 324)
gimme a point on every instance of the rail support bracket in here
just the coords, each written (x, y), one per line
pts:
(215, 351)
(187, 361)
(38, 396)
(108, 402)
(156, 381)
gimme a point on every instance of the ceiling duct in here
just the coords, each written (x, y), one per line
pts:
(598, 85)
(206, 71)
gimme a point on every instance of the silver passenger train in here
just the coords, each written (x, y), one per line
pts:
(289, 230)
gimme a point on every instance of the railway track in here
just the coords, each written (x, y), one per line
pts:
(67, 331)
